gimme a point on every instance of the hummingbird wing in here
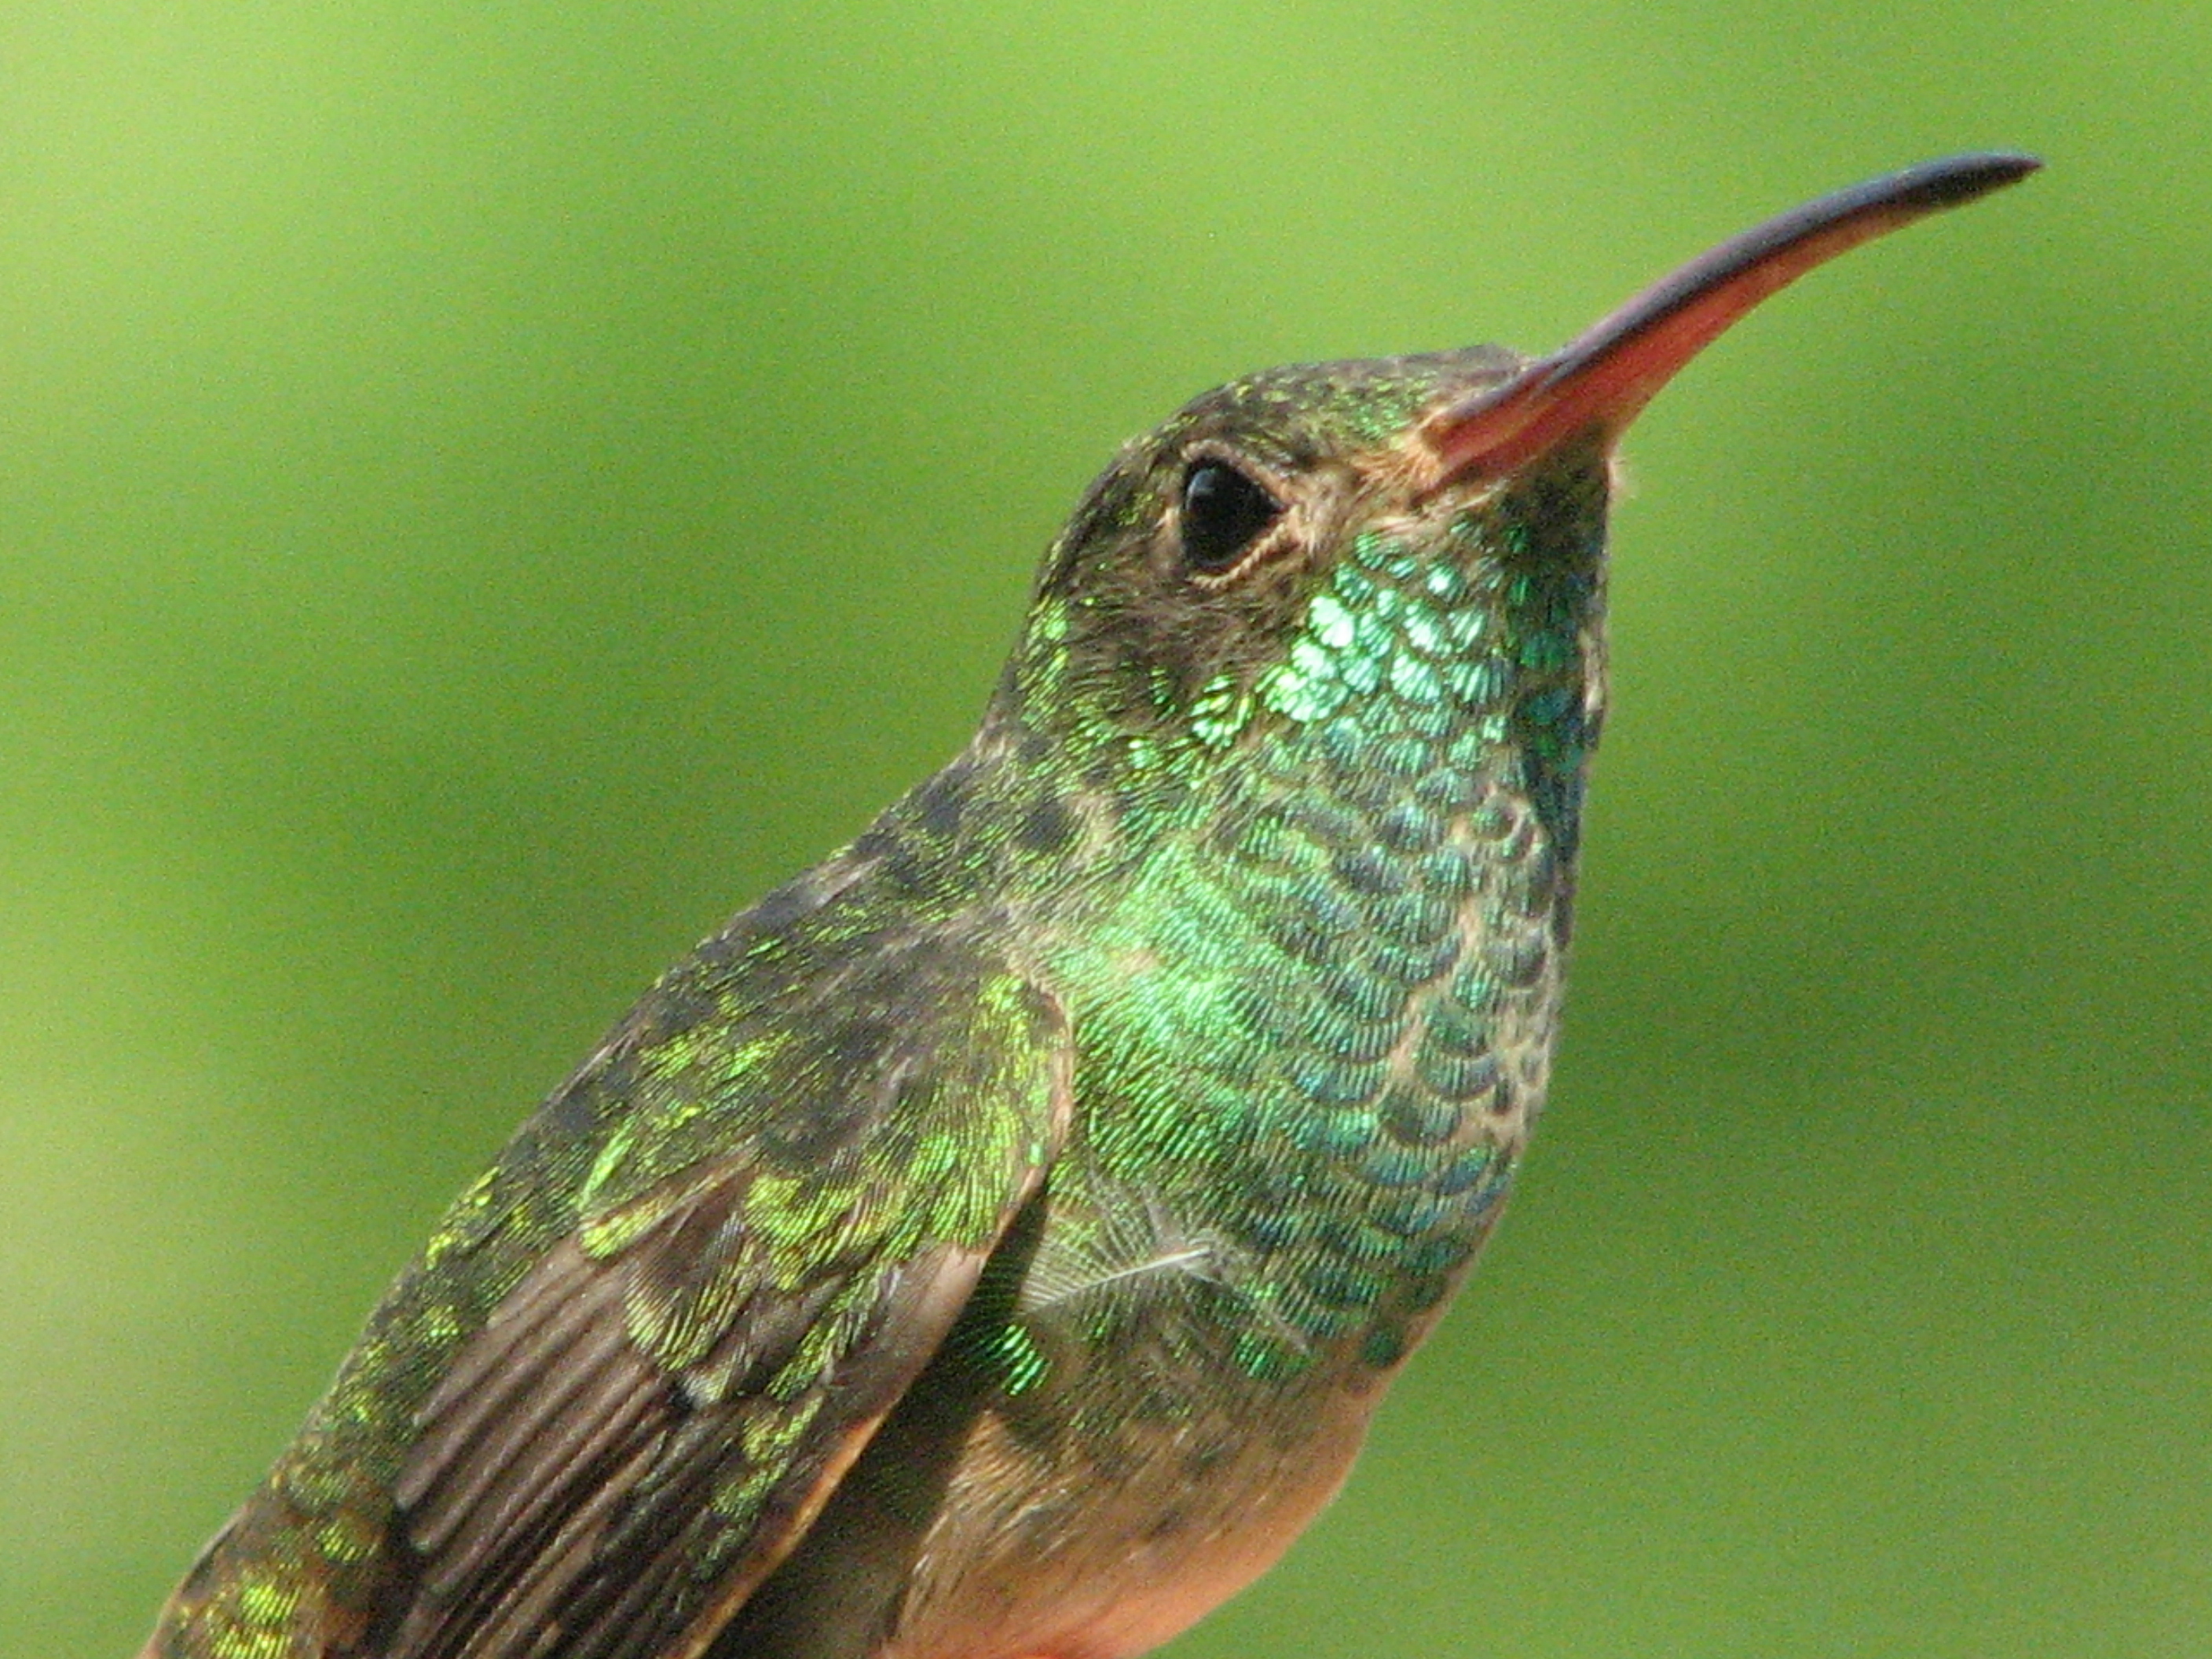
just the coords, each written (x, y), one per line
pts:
(790, 1210)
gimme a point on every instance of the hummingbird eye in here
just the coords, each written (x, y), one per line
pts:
(1222, 511)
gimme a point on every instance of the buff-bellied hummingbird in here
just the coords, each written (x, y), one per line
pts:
(992, 1244)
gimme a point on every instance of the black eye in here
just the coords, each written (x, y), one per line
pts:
(1222, 511)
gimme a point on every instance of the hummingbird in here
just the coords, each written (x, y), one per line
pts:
(993, 1243)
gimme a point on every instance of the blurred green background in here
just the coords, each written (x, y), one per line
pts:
(485, 491)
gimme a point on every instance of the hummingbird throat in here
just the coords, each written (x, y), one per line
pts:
(1350, 942)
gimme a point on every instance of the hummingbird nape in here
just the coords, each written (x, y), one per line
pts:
(991, 1245)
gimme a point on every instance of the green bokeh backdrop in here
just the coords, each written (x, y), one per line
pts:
(486, 491)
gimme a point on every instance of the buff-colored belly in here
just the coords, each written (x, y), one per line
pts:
(1105, 1569)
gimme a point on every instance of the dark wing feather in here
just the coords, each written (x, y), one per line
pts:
(649, 1421)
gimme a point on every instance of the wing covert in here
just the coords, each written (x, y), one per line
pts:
(647, 1423)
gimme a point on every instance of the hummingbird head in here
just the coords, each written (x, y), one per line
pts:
(1386, 555)
(1176, 619)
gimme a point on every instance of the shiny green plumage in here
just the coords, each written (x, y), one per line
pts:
(1230, 947)
(991, 1245)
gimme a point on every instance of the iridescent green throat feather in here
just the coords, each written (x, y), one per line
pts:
(1326, 982)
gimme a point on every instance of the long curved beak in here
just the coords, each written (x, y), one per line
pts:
(1599, 382)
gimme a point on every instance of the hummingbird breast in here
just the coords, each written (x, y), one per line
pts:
(1312, 1034)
